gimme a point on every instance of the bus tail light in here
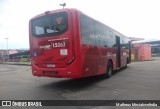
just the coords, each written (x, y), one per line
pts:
(71, 60)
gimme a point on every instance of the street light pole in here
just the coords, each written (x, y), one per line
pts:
(7, 49)
(63, 5)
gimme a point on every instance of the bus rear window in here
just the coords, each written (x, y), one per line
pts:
(50, 25)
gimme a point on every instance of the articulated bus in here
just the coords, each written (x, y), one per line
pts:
(67, 43)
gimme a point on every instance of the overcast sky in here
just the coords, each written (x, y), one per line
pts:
(133, 18)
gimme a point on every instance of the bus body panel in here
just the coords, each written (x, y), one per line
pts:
(81, 60)
(95, 59)
(72, 71)
(48, 51)
(63, 67)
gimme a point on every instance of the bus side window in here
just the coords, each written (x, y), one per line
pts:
(101, 34)
(87, 30)
(124, 43)
(111, 39)
(106, 39)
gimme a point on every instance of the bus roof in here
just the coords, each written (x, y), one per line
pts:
(74, 9)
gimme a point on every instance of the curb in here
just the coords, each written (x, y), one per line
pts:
(16, 63)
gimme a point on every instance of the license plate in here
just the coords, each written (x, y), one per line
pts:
(50, 65)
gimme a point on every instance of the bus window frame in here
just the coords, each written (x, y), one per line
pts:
(65, 15)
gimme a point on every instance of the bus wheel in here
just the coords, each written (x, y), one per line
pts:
(109, 69)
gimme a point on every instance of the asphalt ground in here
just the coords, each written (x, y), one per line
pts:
(140, 81)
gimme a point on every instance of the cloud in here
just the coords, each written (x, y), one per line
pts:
(134, 18)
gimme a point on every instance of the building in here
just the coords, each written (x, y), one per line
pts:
(141, 52)
(13, 54)
(155, 47)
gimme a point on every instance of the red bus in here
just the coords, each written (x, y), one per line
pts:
(69, 44)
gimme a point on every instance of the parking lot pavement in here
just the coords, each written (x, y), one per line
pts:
(140, 81)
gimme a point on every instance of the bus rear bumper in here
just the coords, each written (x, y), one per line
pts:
(55, 72)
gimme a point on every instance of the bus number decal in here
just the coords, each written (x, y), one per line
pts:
(59, 44)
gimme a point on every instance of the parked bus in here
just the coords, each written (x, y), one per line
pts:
(67, 43)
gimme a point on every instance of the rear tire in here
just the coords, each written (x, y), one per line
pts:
(109, 69)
